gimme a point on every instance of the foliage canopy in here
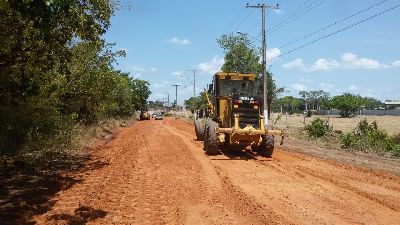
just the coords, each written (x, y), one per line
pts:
(56, 72)
(347, 103)
(241, 56)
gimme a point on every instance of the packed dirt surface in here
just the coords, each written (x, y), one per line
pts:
(155, 172)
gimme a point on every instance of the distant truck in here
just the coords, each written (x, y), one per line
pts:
(233, 117)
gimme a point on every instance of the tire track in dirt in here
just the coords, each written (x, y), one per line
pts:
(343, 198)
(307, 190)
(152, 176)
(372, 188)
(155, 172)
(231, 197)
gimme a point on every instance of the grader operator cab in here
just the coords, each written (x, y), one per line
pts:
(233, 118)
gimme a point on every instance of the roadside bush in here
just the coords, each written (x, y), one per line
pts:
(396, 138)
(367, 137)
(318, 128)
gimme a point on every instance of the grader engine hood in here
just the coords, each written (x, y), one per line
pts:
(247, 108)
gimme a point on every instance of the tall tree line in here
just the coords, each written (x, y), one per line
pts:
(317, 100)
(56, 71)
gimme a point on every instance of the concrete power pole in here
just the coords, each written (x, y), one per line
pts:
(194, 81)
(176, 94)
(194, 91)
(263, 8)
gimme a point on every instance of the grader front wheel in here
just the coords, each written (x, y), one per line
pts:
(211, 139)
(199, 129)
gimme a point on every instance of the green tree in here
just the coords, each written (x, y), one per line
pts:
(315, 98)
(241, 56)
(56, 71)
(347, 103)
(372, 103)
(141, 92)
(199, 103)
(289, 103)
(35, 49)
(306, 96)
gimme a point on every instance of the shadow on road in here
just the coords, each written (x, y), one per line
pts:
(237, 154)
(25, 193)
(81, 216)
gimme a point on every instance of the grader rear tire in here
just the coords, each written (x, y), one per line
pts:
(199, 127)
(267, 146)
(211, 140)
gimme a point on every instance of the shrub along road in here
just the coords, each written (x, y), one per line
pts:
(155, 172)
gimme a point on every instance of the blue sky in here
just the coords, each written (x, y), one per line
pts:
(165, 39)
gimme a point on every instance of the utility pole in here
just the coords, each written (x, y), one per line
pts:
(176, 94)
(194, 81)
(263, 8)
(168, 100)
(194, 91)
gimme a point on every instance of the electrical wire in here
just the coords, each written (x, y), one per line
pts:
(239, 14)
(296, 15)
(336, 32)
(332, 24)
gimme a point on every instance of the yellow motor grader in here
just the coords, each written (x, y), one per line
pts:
(234, 116)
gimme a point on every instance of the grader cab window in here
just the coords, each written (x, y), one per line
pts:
(237, 87)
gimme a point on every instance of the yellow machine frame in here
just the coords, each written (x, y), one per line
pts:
(248, 134)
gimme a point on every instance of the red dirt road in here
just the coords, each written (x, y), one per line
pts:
(156, 173)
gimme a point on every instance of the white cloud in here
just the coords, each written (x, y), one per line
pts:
(158, 85)
(296, 64)
(393, 64)
(298, 87)
(351, 61)
(177, 73)
(353, 88)
(396, 63)
(273, 53)
(212, 66)
(324, 65)
(304, 80)
(178, 41)
(161, 85)
(347, 61)
(326, 87)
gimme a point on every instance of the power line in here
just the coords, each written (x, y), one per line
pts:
(266, 16)
(332, 24)
(203, 56)
(296, 15)
(234, 20)
(336, 32)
